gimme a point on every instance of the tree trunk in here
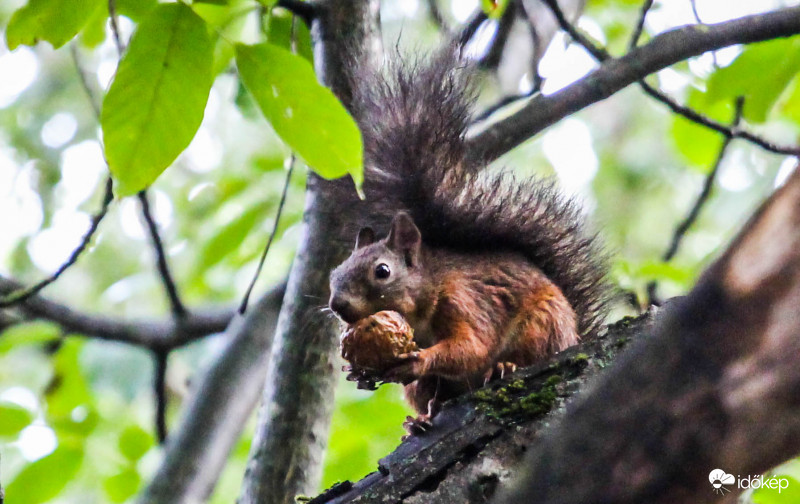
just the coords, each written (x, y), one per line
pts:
(292, 430)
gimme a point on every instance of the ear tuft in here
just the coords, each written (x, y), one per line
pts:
(405, 238)
(365, 237)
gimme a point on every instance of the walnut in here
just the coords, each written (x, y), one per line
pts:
(372, 345)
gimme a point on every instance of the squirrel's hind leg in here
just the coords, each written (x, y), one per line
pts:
(545, 325)
(423, 396)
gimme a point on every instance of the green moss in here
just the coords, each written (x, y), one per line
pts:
(504, 403)
(621, 342)
(622, 323)
(580, 358)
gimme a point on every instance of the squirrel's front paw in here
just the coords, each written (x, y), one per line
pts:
(411, 366)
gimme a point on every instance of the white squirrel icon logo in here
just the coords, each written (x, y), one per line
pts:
(719, 479)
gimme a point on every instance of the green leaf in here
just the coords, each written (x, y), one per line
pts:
(790, 494)
(134, 442)
(45, 478)
(665, 271)
(155, 104)
(31, 333)
(791, 107)
(494, 8)
(305, 114)
(699, 145)
(228, 238)
(94, 31)
(13, 418)
(244, 101)
(122, 486)
(759, 74)
(135, 9)
(49, 20)
(279, 33)
(69, 388)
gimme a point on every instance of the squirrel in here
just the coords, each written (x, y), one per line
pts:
(492, 272)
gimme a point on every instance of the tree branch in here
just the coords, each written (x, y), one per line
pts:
(21, 294)
(160, 393)
(144, 333)
(478, 440)
(223, 399)
(614, 74)
(178, 310)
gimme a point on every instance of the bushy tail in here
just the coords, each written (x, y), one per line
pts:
(414, 118)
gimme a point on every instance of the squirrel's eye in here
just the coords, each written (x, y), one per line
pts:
(382, 271)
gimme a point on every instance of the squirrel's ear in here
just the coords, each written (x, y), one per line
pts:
(404, 237)
(365, 237)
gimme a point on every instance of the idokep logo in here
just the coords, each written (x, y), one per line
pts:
(720, 480)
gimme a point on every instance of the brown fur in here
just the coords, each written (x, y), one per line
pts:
(469, 311)
(493, 269)
(498, 309)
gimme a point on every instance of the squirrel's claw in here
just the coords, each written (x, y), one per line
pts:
(499, 371)
(410, 367)
(504, 368)
(409, 356)
(418, 425)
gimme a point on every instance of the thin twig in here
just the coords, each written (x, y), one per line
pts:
(112, 15)
(536, 40)
(160, 391)
(694, 211)
(21, 295)
(492, 57)
(637, 32)
(536, 77)
(178, 309)
(437, 17)
(246, 298)
(465, 35)
(601, 54)
(696, 14)
(84, 80)
(502, 103)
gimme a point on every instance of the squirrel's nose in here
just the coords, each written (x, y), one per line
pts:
(342, 308)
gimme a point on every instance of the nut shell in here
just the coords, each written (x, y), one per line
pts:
(372, 344)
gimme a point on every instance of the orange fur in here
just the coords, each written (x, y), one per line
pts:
(480, 322)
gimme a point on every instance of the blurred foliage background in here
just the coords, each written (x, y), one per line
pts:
(76, 415)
